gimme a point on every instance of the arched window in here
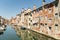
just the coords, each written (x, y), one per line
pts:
(59, 14)
(42, 24)
(56, 26)
(49, 20)
(56, 14)
(49, 10)
(49, 27)
(45, 23)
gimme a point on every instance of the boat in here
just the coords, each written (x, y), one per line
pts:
(1, 29)
(3, 24)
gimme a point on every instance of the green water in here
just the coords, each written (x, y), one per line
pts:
(18, 34)
(9, 34)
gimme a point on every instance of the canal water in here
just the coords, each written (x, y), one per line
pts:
(9, 34)
(15, 33)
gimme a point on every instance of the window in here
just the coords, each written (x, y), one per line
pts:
(29, 23)
(35, 24)
(50, 28)
(31, 20)
(59, 14)
(42, 24)
(56, 13)
(50, 20)
(56, 24)
(45, 23)
(49, 10)
(30, 14)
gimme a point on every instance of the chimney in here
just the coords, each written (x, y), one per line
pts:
(34, 8)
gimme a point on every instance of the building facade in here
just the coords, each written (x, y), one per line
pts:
(45, 20)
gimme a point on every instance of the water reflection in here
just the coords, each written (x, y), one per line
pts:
(9, 34)
(1, 33)
(30, 35)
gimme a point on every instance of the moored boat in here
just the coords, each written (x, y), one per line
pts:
(1, 29)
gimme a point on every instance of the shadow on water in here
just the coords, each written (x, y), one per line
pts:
(31, 35)
(1, 33)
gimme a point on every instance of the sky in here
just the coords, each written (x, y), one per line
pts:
(10, 8)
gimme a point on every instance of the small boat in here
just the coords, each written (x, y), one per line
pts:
(1, 29)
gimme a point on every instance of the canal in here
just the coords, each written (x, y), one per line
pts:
(9, 34)
(15, 33)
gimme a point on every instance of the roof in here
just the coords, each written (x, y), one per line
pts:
(52, 4)
(18, 15)
(46, 6)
